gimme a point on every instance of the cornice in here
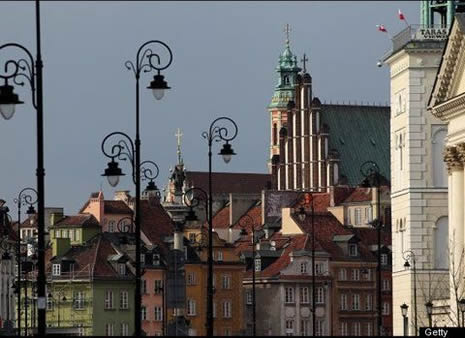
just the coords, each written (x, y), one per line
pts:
(450, 108)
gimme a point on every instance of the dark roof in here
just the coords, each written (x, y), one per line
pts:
(81, 220)
(229, 182)
(116, 207)
(359, 133)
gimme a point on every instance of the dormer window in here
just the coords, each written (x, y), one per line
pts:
(219, 256)
(303, 267)
(122, 269)
(384, 259)
(353, 251)
(156, 259)
(142, 258)
(56, 270)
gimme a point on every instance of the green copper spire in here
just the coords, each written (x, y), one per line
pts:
(287, 69)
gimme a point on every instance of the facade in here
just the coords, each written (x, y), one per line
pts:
(8, 315)
(312, 145)
(447, 104)
(418, 174)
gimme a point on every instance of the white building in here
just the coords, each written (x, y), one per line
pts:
(418, 174)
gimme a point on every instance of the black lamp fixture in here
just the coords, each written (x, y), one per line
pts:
(31, 210)
(8, 101)
(429, 308)
(407, 264)
(113, 173)
(404, 310)
(227, 152)
(158, 86)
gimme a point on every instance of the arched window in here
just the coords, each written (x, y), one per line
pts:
(401, 157)
(286, 79)
(441, 243)
(275, 134)
(439, 173)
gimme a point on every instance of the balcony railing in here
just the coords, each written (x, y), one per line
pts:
(419, 33)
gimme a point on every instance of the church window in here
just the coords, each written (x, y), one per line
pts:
(275, 134)
(441, 239)
(286, 80)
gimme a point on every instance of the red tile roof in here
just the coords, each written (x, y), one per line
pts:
(229, 182)
(321, 201)
(221, 218)
(116, 207)
(83, 220)
(360, 195)
(253, 217)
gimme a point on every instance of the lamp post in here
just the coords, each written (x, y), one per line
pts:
(216, 132)
(404, 311)
(408, 256)
(462, 309)
(245, 223)
(371, 172)
(302, 215)
(30, 71)
(429, 311)
(131, 150)
(27, 196)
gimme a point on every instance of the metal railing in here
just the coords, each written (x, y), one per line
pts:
(419, 33)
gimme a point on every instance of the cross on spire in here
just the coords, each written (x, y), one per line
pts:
(304, 60)
(178, 135)
(287, 30)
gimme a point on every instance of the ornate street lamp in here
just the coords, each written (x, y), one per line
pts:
(408, 256)
(371, 172)
(126, 149)
(31, 71)
(217, 132)
(404, 311)
(245, 223)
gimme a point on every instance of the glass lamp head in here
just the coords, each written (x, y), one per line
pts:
(113, 173)
(227, 152)
(8, 101)
(158, 86)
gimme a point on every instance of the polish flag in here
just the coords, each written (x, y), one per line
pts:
(401, 15)
(381, 28)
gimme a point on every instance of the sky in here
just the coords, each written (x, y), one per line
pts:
(224, 59)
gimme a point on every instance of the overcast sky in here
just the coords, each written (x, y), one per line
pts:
(225, 54)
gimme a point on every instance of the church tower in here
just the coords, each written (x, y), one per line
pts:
(299, 150)
(418, 174)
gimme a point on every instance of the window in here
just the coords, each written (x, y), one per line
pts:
(56, 271)
(142, 258)
(124, 300)
(303, 267)
(109, 329)
(304, 295)
(78, 235)
(343, 302)
(289, 327)
(385, 309)
(158, 286)
(355, 274)
(108, 299)
(356, 329)
(81, 330)
(144, 286)
(124, 329)
(441, 243)
(78, 300)
(343, 274)
(356, 302)
(226, 281)
(320, 295)
(227, 331)
(319, 327)
(158, 314)
(358, 216)
(384, 259)
(143, 312)
(275, 134)
(219, 256)
(368, 215)
(49, 304)
(122, 269)
(344, 329)
(249, 297)
(319, 268)
(227, 309)
(439, 172)
(156, 258)
(369, 329)
(289, 297)
(353, 252)
(386, 285)
(369, 303)
(367, 274)
(258, 264)
(191, 278)
(71, 233)
(304, 327)
(111, 226)
(191, 307)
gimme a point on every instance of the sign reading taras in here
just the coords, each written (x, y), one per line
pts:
(432, 33)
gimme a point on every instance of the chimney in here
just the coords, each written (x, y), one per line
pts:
(60, 246)
(55, 217)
